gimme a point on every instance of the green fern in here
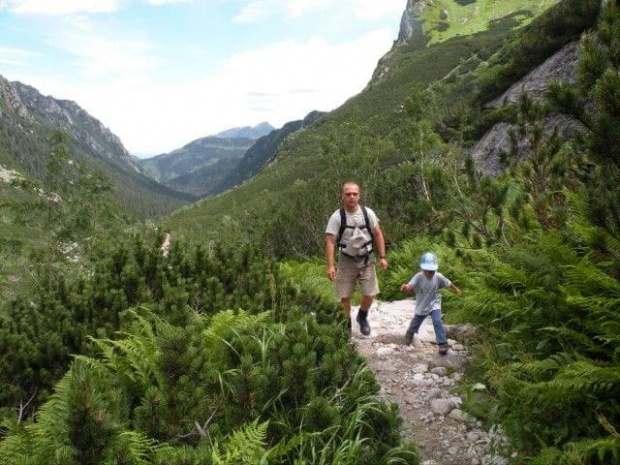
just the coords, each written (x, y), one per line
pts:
(243, 447)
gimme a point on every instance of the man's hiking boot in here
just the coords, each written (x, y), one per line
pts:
(362, 319)
(443, 349)
(408, 339)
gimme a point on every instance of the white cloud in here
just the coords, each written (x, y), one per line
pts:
(375, 9)
(278, 83)
(166, 2)
(10, 56)
(260, 10)
(107, 55)
(281, 82)
(60, 7)
(117, 76)
(256, 11)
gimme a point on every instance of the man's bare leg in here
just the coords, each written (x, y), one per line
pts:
(346, 306)
(366, 303)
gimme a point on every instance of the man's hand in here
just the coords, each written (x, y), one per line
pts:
(383, 264)
(331, 272)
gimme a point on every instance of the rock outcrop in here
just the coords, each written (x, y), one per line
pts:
(410, 30)
(10, 97)
(410, 23)
(71, 118)
(561, 66)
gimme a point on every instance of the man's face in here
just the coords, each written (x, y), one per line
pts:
(350, 196)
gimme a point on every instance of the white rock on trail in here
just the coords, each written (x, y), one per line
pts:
(420, 368)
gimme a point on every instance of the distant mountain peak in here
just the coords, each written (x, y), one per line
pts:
(247, 132)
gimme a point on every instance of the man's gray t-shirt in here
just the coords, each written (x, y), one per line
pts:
(357, 222)
(427, 296)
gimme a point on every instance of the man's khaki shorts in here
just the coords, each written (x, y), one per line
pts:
(353, 270)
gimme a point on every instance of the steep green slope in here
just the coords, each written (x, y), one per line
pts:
(205, 179)
(452, 18)
(261, 153)
(193, 156)
(366, 134)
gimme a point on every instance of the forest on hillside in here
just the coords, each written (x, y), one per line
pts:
(232, 350)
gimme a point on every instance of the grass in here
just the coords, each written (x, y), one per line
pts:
(452, 18)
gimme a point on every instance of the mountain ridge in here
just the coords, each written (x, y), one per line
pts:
(26, 118)
(247, 132)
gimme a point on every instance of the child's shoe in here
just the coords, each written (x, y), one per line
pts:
(443, 349)
(408, 339)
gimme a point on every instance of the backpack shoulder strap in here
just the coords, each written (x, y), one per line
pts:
(343, 224)
(366, 219)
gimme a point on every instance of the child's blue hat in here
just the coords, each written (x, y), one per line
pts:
(429, 262)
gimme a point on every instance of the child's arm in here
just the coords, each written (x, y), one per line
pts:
(455, 289)
(406, 287)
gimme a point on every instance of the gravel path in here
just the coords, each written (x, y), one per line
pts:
(422, 383)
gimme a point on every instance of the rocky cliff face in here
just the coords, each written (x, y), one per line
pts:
(10, 101)
(410, 31)
(31, 105)
(27, 117)
(25, 106)
(247, 132)
(560, 66)
(410, 23)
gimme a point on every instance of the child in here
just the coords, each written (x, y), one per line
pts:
(426, 285)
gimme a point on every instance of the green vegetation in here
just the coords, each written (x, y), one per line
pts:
(47, 225)
(451, 18)
(536, 249)
(25, 146)
(220, 353)
(197, 166)
(170, 380)
(378, 126)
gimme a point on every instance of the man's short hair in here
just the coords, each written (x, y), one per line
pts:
(351, 183)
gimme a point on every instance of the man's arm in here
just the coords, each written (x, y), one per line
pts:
(330, 248)
(380, 242)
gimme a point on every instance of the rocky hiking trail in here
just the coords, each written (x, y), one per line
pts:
(422, 383)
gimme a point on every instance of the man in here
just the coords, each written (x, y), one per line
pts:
(354, 239)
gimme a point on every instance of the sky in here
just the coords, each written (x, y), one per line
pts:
(161, 73)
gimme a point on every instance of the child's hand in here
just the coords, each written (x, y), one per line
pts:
(405, 287)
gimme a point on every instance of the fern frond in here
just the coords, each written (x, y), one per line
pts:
(546, 367)
(222, 323)
(587, 279)
(587, 377)
(574, 339)
(244, 447)
(136, 448)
